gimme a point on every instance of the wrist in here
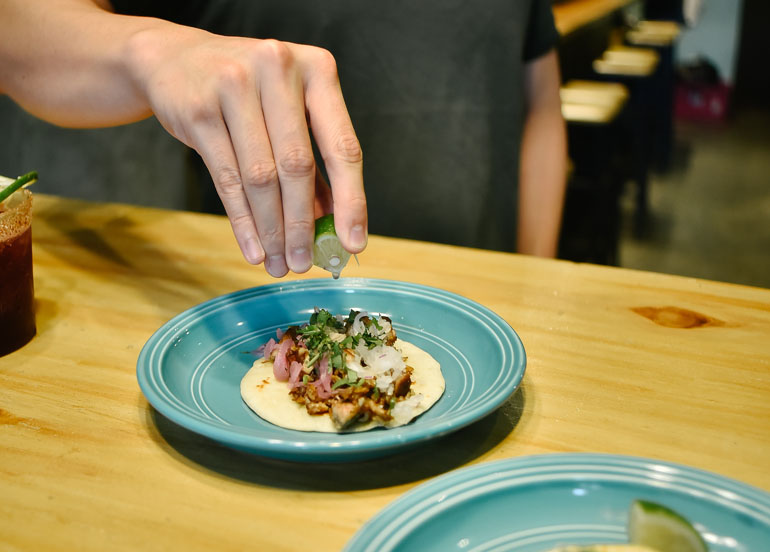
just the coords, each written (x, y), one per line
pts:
(146, 49)
(140, 55)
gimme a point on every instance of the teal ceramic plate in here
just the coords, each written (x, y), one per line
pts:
(190, 369)
(531, 504)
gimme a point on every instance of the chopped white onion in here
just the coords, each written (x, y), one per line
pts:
(358, 327)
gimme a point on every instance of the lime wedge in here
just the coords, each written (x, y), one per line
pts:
(328, 252)
(659, 527)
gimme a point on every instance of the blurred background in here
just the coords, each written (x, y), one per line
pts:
(668, 112)
(705, 211)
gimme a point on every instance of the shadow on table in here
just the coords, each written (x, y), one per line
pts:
(422, 462)
(103, 241)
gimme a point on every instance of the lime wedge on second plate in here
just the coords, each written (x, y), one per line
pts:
(328, 252)
(604, 548)
(659, 527)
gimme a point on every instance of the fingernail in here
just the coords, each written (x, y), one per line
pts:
(299, 259)
(253, 251)
(357, 236)
(276, 265)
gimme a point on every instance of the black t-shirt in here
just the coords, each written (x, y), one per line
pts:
(435, 92)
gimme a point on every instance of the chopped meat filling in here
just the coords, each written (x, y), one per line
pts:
(345, 413)
(326, 386)
(390, 337)
(403, 383)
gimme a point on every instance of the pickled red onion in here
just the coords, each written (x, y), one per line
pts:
(324, 382)
(281, 363)
(295, 369)
(265, 350)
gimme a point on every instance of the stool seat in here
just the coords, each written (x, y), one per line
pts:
(592, 102)
(638, 68)
(660, 36)
(627, 61)
(654, 33)
(594, 112)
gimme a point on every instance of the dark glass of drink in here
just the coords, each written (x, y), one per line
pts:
(17, 297)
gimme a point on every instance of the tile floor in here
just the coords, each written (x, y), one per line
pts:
(711, 211)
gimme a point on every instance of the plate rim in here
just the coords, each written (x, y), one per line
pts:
(371, 535)
(343, 449)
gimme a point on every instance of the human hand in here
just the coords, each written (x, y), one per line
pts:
(247, 107)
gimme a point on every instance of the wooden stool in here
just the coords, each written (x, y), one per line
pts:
(590, 227)
(654, 33)
(636, 68)
(660, 36)
(625, 61)
(592, 102)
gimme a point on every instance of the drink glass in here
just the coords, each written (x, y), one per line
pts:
(17, 297)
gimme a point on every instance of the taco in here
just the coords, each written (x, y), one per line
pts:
(341, 373)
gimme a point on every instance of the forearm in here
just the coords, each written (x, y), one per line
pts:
(543, 169)
(542, 183)
(67, 61)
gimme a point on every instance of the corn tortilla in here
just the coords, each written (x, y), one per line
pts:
(270, 400)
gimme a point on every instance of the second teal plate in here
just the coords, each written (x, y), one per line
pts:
(534, 503)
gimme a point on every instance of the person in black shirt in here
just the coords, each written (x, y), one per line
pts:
(453, 102)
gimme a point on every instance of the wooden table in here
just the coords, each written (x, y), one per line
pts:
(619, 361)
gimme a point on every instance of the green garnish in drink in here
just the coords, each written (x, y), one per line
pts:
(24, 179)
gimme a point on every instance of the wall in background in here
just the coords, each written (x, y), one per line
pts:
(715, 36)
(139, 163)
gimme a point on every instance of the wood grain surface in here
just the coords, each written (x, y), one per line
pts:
(619, 361)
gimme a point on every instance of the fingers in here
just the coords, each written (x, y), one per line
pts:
(247, 111)
(339, 147)
(283, 105)
(209, 136)
(255, 164)
(267, 124)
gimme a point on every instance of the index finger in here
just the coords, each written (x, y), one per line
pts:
(337, 142)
